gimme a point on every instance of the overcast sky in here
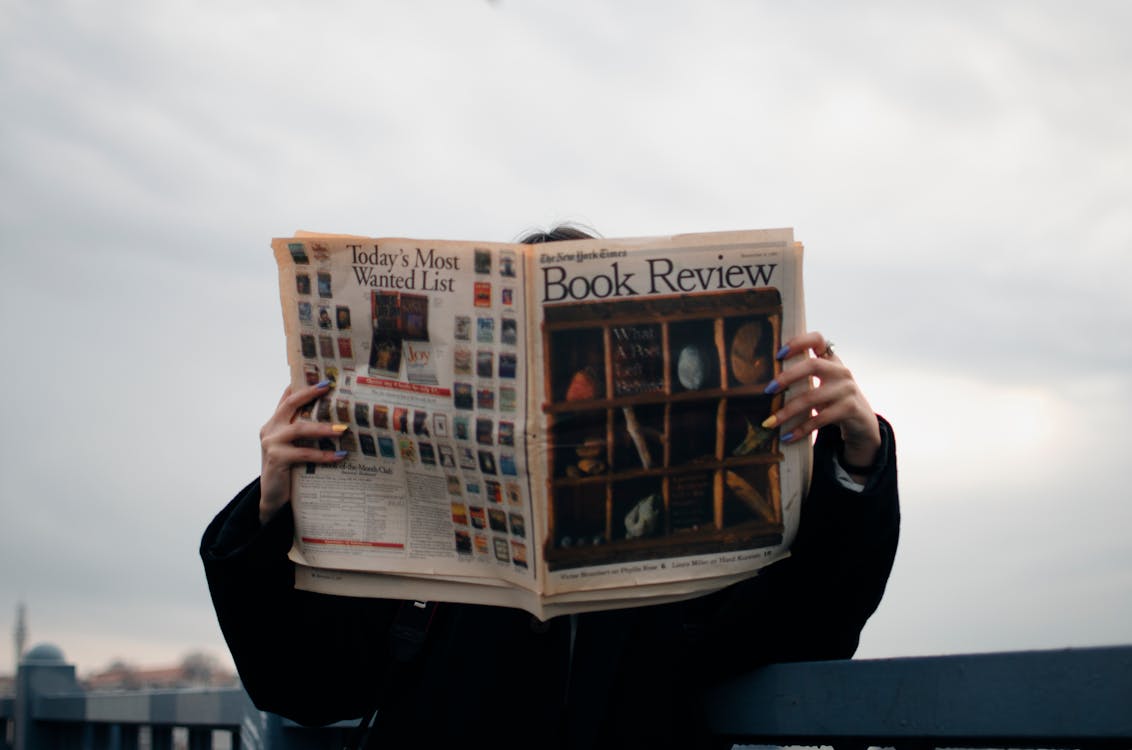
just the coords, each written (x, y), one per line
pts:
(961, 175)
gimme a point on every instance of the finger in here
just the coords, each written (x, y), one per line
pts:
(292, 401)
(819, 367)
(801, 431)
(817, 399)
(292, 431)
(304, 395)
(802, 343)
(285, 456)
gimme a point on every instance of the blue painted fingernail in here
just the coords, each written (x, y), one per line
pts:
(322, 384)
(774, 387)
(782, 352)
(787, 437)
(341, 454)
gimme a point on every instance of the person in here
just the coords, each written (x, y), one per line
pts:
(620, 678)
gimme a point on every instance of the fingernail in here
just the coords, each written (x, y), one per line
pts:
(772, 388)
(770, 421)
(341, 454)
(340, 428)
(787, 437)
(782, 352)
(322, 384)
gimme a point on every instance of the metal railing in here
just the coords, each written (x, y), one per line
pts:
(1052, 699)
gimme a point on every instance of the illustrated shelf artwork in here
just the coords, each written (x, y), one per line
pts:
(655, 447)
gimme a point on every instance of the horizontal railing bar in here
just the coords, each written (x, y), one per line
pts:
(194, 707)
(1048, 698)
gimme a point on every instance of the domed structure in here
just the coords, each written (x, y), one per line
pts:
(44, 653)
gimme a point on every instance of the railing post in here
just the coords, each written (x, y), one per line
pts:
(161, 737)
(99, 737)
(200, 739)
(128, 736)
(42, 670)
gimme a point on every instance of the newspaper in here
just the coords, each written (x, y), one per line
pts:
(558, 428)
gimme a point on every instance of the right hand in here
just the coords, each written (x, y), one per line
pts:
(278, 451)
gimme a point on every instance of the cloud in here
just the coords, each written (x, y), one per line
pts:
(959, 175)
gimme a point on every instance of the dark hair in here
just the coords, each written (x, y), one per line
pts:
(556, 234)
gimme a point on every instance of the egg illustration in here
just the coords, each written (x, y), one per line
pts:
(693, 367)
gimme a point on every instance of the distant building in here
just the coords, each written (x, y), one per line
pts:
(195, 670)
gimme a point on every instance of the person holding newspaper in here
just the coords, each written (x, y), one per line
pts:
(620, 678)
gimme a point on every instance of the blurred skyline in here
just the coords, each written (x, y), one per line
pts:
(960, 174)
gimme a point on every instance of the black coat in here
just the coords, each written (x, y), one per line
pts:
(499, 676)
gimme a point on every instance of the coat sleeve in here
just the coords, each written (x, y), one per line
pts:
(814, 604)
(313, 658)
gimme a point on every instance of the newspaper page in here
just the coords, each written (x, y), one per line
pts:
(655, 355)
(421, 342)
(557, 427)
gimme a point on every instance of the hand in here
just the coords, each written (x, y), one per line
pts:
(836, 400)
(278, 451)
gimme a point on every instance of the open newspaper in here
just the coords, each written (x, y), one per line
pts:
(558, 428)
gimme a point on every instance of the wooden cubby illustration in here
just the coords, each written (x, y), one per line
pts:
(655, 447)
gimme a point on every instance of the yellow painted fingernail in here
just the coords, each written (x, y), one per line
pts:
(340, 427)
(770, 421)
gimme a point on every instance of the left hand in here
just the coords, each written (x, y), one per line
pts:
(835, 400)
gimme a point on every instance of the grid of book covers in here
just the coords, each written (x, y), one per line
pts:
(433, 408)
